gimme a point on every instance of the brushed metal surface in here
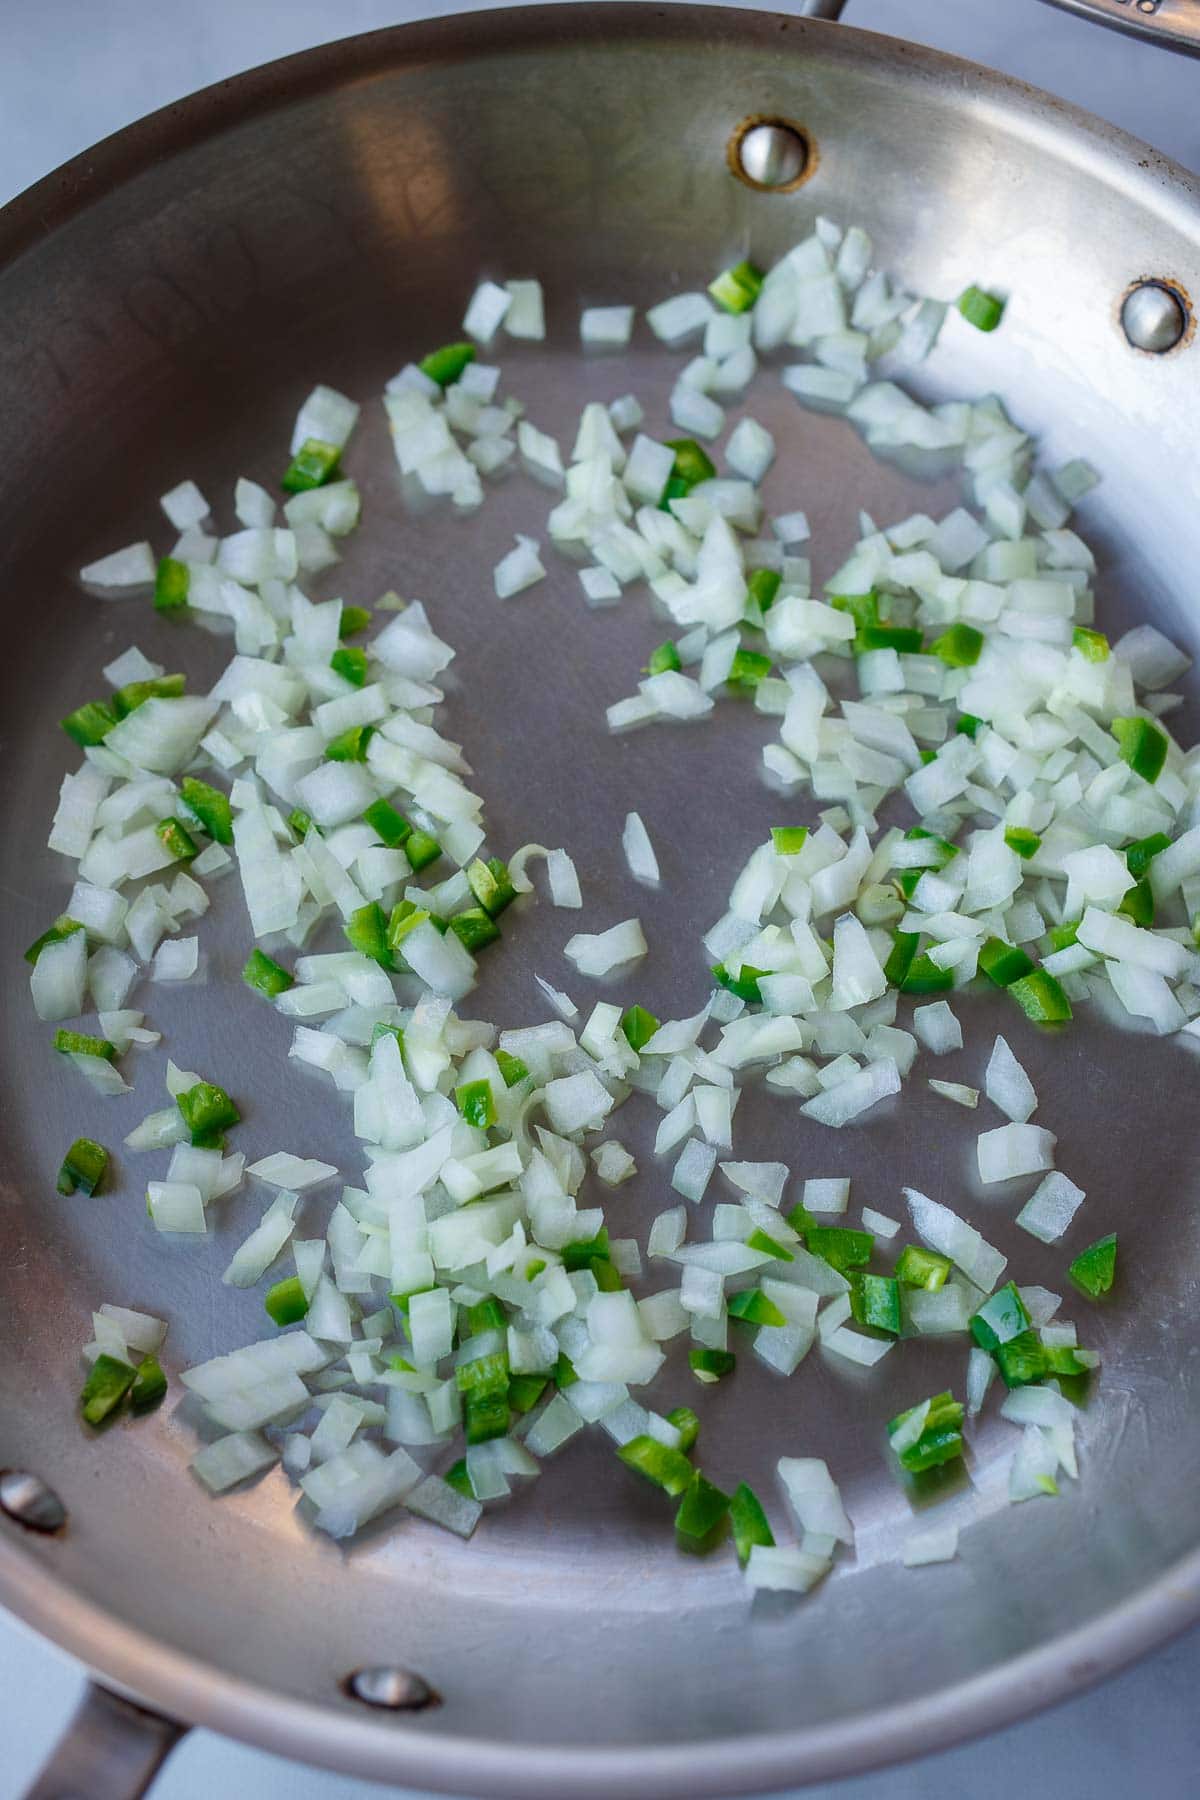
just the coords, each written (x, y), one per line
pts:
(323, 220)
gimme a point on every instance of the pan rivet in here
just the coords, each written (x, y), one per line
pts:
(772, 155)
(392, 1690)
(28, 1500)
(1153, 317)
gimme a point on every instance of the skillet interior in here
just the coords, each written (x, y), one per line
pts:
(325, 219)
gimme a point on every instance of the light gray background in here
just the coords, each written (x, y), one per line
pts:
(74, 70)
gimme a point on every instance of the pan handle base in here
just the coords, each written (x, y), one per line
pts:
(111, 1750)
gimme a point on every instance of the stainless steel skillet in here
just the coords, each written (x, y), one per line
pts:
(164, 304)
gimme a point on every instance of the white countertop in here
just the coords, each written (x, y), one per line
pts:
(75, 70)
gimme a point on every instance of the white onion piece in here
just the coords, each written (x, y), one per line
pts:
(613, 1163)
(521, 568)
(101, 1075)
(175, 1206)
(185, 506)
(944, 1231)
(363, 1498)
(443, 964)
(693, 1170)
(1051, 1207)
(606, 327)
(597, 954)
(254, 1257)
(958, 1091)
(576, 1103)
(141, 1331)
(938, 1544)
(284, 1170)
(157, 1130)
(1007, 1085)
(682, 316)
(177, 959)
(229, 1460)
(564, 881)
(1012, 1150)
(58, 979)
(202, 1168)
(639, 851)
(827, 1195)
(981, 1369)
(327, 416)
(1034, 1467)
(931, 1314)
(1108, 935)
(133, 566)
(937, 1027)
(781, 1568)
(162, 735)
(814, 1498)
(839, 1105)
(79, 800)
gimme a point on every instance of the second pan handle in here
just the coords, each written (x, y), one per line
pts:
(111, 1750)
(1174, 24)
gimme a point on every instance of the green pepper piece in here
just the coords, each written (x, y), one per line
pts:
(446, 365)
(210, 806)
(286, 1302)
(752, 1307)
(959, 647)
(350, 745)
(107, 1384)
(1143, 745)
(314, 463)
(84, 1166)
(511, 1067)
(875, 1302)
(711, 1365)
(917, 1267)
(979, 308)
(638, 1026)
(265, 975)
(737, 289)
(664, 658)
(744, 984)
(703, 1516)
(474, 929)
(1095, 1268)
(149, 1385)
(1001, 1318)
(367, 932)
(476, 1103)
(666, 1468)
(62, 928)
(941, 1436)
(207, 1111)
(1041, 998)
(749, 1522)
(686, 1424)
(1003, 963)
(172, 581)
(350, 662)
(90, 723)
(839, 1246)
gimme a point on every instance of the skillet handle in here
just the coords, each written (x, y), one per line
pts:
(111, 1750)
(1173, 24)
